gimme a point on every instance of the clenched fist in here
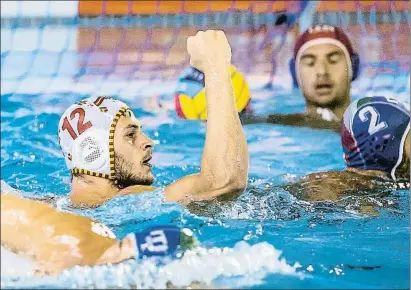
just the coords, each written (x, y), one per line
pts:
(208, 49)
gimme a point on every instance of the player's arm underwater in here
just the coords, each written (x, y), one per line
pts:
(334, 185)
(224, 164)
(295, 119)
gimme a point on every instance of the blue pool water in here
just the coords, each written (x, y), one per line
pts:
(267, 239)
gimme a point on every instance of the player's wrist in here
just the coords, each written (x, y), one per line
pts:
(217, 67)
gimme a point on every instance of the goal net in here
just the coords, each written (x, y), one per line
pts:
(137, 48)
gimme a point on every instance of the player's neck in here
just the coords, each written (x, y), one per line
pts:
(90, 191)
(337, 108)
(340, 108)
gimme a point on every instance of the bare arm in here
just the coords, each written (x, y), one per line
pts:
(224, 164)
(295, 119)
(56, 240)
(333, 185)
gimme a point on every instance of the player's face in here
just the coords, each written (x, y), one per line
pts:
(323, 70)
(133, 151)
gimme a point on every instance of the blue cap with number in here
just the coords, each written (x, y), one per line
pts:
(163, 240)
(374, 132)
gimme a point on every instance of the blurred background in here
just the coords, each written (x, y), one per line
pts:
(54, 53)
(127, 48)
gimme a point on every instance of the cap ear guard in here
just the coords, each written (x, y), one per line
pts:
(356, 66)
(90, 150)
(86, 135)
(293, 73)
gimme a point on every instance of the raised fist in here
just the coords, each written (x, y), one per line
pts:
(208, 49)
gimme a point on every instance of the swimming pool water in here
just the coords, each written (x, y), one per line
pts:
(323, 244)
(266, 239)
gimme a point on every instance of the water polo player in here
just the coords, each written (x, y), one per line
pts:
(375, 137)
(323, 65)
(108, 154)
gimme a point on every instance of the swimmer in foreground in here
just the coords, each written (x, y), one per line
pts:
(108, 155)
(375, 137)
(324, 64)
(57, 240)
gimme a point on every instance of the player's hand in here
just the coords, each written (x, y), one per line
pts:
(208, 49)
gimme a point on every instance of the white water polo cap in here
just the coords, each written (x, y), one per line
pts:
(86, 135)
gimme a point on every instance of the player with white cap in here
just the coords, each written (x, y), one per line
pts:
(108, 155)
(324, 64)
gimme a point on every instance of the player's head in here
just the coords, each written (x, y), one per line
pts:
(324, 64)
(101, 137)
(375, 136)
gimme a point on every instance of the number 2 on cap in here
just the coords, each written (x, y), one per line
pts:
(375, 124)
(81, 126)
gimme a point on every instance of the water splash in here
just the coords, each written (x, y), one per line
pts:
(14, 267)
(200, 266)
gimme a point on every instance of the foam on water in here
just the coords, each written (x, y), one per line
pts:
(6, 188)
(200, 266)
(245, 263)
(14, 267)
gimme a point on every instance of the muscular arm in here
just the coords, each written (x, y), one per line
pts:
(224, 164)
(333, 185)
(54, 240)
(295, 119)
